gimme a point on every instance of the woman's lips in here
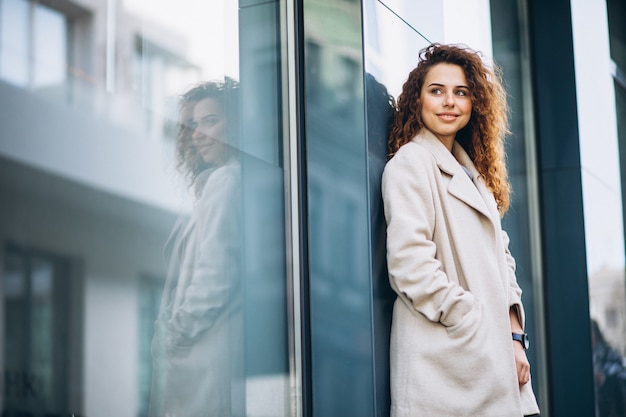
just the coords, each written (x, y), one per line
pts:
(447, 116)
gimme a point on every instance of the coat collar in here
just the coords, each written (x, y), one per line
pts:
(473, 193)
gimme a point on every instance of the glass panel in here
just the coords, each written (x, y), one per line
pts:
(50, 48)
(141, 180)
(339, 257)
(14, 41)
(149, 299)
(603, 159)
(34, 47)
(16, 287)
(34, 356)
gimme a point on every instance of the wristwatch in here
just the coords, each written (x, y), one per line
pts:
(522, 338)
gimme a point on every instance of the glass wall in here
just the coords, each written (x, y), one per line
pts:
(599, 57)
(339, 259)
(142, 216)
(147, 266)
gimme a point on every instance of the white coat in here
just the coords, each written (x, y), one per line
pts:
(197, 347)
(451, 351)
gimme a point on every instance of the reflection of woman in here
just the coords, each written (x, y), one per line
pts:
(445, 189)
(609, 374)
(197, 342)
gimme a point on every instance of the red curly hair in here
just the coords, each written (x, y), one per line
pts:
(483, 136)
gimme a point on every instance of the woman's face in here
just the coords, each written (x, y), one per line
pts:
(446, 103)
(209, 130)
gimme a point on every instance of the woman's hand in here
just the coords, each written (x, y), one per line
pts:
(521, 363)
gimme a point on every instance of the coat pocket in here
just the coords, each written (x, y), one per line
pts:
(469, 325)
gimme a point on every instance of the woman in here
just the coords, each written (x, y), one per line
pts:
(445, 189)
(197, 347)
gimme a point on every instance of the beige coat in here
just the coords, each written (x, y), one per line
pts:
(448, 259)
(198, 341)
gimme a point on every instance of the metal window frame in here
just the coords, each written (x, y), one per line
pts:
(292, 54)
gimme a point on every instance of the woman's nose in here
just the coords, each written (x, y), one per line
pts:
(448, 99)
(196, 136)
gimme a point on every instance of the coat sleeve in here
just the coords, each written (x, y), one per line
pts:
(515, 292)
(214, 279)
(411, 183)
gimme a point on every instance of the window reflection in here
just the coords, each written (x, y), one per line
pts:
(50, 39)
(609, 375)
(90, 190)
(15, 39)
(603, 191)
(149, 299)
(37, 288)
(197, 347)
(34, 47)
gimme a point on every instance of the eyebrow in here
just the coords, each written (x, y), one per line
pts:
(443, 85)
(206, 116)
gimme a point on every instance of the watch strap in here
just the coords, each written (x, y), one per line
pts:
(522, 338)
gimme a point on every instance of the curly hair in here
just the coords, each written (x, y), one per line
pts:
(188, 159)
(483, 136)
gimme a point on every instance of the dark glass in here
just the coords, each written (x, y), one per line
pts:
(142, 221)
(607, 286)
(342, 354)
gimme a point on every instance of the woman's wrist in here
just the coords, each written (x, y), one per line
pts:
(516, 326)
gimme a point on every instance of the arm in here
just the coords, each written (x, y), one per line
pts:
(516, 316)
(515, 292)
(521, 361)
(410, 191)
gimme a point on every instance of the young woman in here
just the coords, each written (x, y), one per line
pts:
(197, 346)
(459, 311)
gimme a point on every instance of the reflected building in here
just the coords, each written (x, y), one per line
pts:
(105, 249)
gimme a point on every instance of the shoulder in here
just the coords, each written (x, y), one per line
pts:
(226, 175)
(229, 170)
(413, 157)
(411, 175)
(221, 184)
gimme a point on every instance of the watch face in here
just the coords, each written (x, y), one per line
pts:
(525, 341)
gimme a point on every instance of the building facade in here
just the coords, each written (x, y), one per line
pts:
(97, 217)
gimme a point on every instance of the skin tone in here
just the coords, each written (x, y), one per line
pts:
(186, 116)
(521, 361)
(446, 108)
(446, 102)
(209, 130)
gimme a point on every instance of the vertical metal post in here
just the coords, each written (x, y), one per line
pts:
(295, 203)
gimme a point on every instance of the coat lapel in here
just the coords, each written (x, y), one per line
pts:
(487, 196)
(461, 186)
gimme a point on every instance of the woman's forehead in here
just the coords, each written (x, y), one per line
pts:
(446, 74)
(207, 106)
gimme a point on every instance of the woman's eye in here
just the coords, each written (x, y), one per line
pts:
(461, 93)
(210, 121)
(436, 91)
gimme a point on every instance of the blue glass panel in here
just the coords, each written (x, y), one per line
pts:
(142, 243)
(14, 40)
(338, 205)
